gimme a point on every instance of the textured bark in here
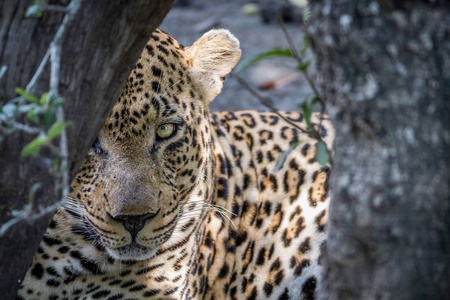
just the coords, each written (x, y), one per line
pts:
(384, 69)
(99, 50)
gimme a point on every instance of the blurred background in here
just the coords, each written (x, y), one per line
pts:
(255, 24)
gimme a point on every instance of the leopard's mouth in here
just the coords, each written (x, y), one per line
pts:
(132, 251)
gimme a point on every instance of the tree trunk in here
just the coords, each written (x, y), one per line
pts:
(384, 72)
(100, 48)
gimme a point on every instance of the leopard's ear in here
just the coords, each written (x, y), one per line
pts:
(211, 58)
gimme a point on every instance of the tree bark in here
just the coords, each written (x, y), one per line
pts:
(384, 72)
(99, 50)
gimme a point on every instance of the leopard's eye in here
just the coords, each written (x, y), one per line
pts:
(165, 131)
(97, 147)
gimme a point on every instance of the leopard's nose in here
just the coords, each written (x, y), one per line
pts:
(134, 223)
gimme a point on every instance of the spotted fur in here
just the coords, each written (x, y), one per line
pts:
(200, 213)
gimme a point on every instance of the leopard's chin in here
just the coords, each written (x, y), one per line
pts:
(132, 252)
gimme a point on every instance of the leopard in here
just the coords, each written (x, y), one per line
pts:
(175, 201)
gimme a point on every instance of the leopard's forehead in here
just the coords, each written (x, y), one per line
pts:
(157, 89)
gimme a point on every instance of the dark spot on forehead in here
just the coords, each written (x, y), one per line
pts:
(156, 71)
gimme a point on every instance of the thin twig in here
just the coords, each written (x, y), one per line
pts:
(3, 71)
(300, 61)
(70, 10)
(297, 57)
(22, 127)
(308, 78)
(25, 128)
(31, 85)
(26, 215)
(47, 210)
(56, 8)
(265, 102)
(55, 58)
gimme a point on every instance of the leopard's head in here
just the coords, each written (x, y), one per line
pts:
(144, 182)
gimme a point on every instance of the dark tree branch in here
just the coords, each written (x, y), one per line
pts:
(97, 52)
(265, 102)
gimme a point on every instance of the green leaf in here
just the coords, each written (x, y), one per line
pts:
(56, 101)
(307, 108)
(26, 95)
(35, 146)
(306, 13)
(277, 52)
(306, 45)
(33, 114)
(44, 99)
(322, 153)
(55, 165)
(57, 129)
(49, 117)
(304, 66)
(283, 156)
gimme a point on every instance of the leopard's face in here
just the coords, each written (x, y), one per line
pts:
(144, 180)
